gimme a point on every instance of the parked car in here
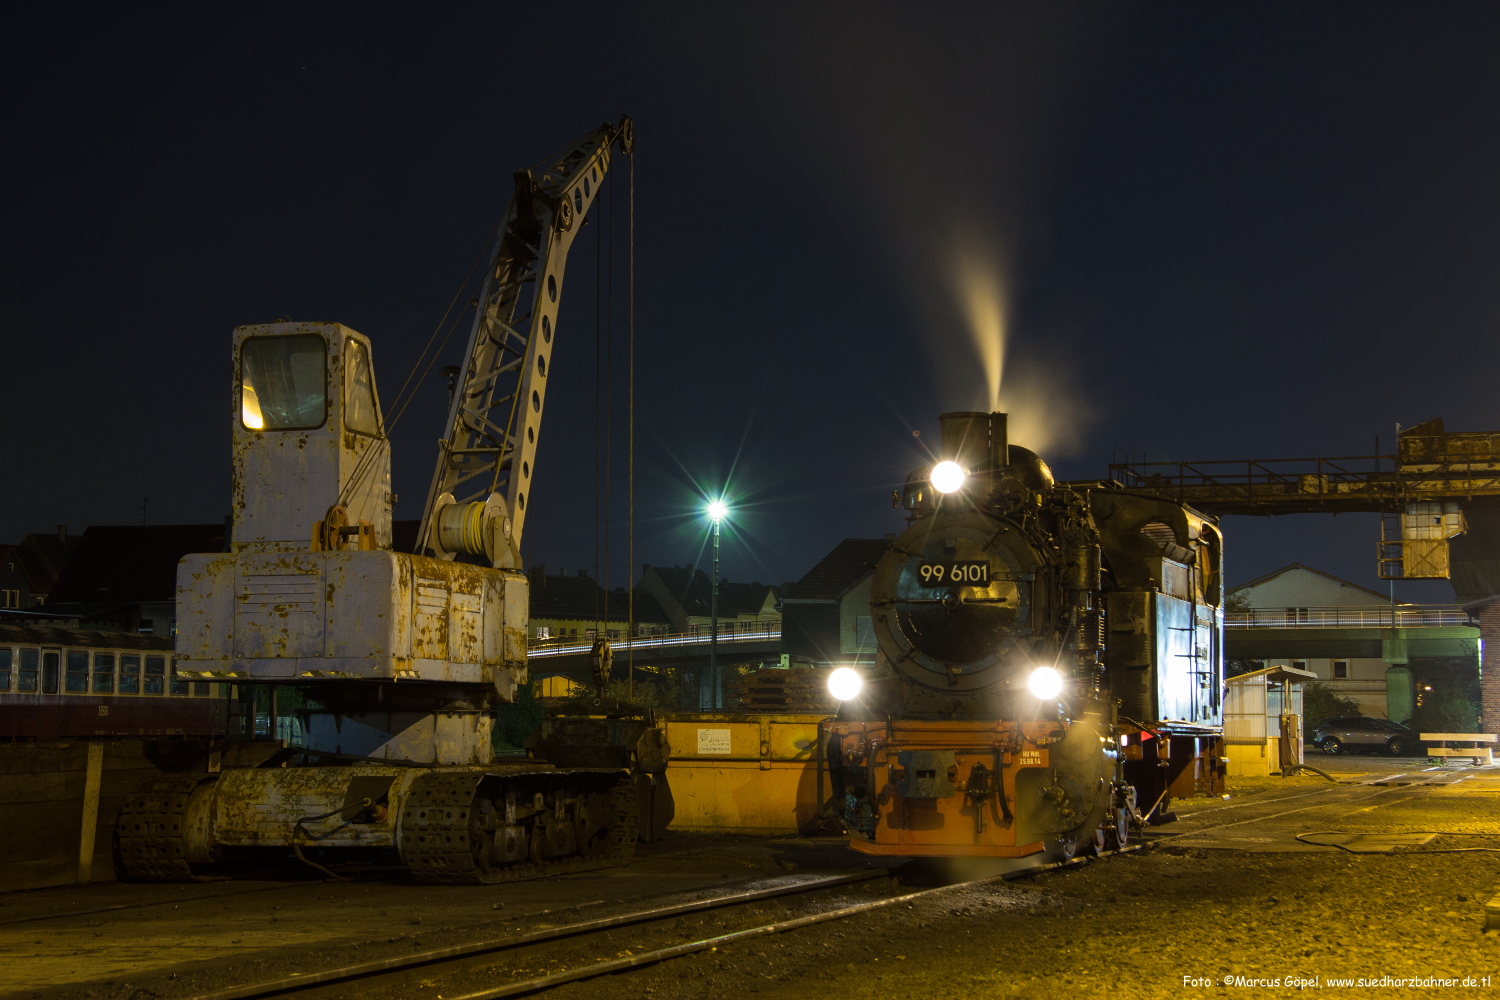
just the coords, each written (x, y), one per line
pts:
(1349, 733)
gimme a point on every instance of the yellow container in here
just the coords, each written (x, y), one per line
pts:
(740, 773)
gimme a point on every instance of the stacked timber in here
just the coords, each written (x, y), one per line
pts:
(794, 690)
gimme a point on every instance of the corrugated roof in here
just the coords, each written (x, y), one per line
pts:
(840, 569)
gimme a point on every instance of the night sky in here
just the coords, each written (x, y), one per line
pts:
(1204, 231)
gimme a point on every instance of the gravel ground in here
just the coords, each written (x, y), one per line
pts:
(1174, 918)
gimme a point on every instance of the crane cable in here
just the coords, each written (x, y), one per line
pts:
(367, 461)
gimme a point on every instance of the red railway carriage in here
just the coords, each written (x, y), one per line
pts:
(64, 683)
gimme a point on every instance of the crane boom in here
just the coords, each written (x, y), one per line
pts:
(477, 501)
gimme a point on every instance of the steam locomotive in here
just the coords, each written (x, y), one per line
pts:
(1048, 669)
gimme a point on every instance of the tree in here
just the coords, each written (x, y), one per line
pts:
(1319, 702)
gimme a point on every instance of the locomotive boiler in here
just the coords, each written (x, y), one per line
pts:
(1048, 666)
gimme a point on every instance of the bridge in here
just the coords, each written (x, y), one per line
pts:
(739, 642)
(1394, 633)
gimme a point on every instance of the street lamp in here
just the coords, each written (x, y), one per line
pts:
(718, 510)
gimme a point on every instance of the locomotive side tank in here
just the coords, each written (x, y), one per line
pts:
(1049, 661)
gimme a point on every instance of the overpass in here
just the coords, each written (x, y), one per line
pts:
(739, 642)
(1394, 634)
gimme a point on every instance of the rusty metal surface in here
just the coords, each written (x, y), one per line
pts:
(269, 807)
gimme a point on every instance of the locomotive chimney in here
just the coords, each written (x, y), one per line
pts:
(999, 441)
(966, 438)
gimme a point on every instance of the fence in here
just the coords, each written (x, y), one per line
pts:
(1372, 616)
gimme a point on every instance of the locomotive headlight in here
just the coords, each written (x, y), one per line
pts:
(948, 476)
(1045, 683)
(845, 683)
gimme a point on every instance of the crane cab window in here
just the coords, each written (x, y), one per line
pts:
(359, 390)
(77, 681)
(5, 665)
(283, 383)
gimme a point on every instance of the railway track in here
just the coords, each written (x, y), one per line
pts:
(1411, 782)
(585, 949)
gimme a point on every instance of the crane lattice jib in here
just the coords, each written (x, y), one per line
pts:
(495, 419)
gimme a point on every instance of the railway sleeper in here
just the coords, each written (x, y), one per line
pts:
(448, 825)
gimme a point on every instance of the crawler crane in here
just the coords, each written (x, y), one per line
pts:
(403, 656)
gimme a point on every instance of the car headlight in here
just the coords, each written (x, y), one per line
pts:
(1045, 683)
(948, 477)
(845, 683)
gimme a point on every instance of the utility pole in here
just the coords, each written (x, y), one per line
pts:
(713, 638)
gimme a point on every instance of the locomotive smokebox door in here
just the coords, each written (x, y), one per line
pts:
(925, 774)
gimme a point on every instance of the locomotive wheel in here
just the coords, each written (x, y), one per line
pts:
(1117, 830)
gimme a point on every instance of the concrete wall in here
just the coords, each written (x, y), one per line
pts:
(42, 803)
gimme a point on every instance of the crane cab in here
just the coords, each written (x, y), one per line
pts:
(311, 593)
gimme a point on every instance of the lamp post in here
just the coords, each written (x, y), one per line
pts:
(717, 510)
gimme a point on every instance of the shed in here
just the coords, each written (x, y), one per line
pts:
(1255, 740)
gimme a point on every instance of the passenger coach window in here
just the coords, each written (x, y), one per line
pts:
(5, 657)
(283, 383)
(26, 675)
(178, 687)
(156, 672)
(130, 675)
(49, 671)
(104, 673)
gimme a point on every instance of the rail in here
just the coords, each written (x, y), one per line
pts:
(699, 636)
(1370, 616)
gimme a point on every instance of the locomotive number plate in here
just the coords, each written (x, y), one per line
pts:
(963, 574)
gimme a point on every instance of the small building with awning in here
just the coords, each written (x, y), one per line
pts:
(1263, 720)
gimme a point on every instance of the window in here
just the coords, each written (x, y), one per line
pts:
(50, 659)
(26, 675)
(1296, 615)
(78, 672)
(1299, 664)
(283, 383)
(104, 673)
(359, 390)
(10, 598)
(156, 672)
(5, 659)
(1340, 669)
(130, 674)
(178, 687)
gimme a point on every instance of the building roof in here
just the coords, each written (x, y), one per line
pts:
(580, 597)
(1383, 598)
(840, 569)
(49, 635)
(132, 562)
(692, 590)
(1273, 674)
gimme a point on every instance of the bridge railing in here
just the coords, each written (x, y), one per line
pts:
(1371, 616)
(697, 635)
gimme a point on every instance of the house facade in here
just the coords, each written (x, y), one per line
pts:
(1311, 605)
(826, 614)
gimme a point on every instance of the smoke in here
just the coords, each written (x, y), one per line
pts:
(1047, 409)
(938, 134)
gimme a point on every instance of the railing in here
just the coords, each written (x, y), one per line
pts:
(1370, 616)
(697, 635)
